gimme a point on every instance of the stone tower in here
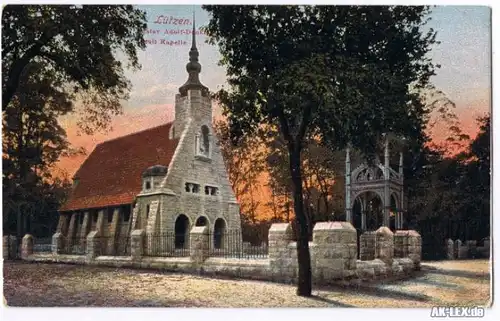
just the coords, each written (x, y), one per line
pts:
(196, 186)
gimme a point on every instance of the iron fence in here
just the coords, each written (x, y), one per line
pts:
(74, 246)
(230, 244)
(167, 244)
(113, 246)
(42, 245)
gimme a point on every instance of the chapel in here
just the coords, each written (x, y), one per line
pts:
(165, 179)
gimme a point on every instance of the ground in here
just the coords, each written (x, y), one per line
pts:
(438, 284)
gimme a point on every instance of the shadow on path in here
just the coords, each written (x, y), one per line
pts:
(460, 273)
(332, 302)
(435, 283)
(380, 292)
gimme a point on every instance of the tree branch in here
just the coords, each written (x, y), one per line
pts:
(306, 116)
(18, 68)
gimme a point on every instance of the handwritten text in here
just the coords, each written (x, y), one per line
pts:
(173, 32)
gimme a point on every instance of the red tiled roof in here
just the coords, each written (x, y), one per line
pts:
(112, 174)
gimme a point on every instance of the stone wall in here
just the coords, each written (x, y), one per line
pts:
(333, 256)
(397, 255)
(467, 250)
(367, 246)
(401, 244)
(484, 250)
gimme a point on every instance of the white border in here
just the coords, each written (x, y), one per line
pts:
(126, 314)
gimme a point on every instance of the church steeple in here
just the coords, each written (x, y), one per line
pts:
(193, 68)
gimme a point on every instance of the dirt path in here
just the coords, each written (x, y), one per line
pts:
(442, 283)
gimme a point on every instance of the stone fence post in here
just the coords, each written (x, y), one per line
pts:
(5, 247)
(137, 244)
(26, 246)
(487, 243)
(334, 251)
(415, 248)
(450, 249)
(282, 260)
(10, 249)
(456, 247)
(463, 251)
(57, 243)
(93, 246)
(280, 235)
(198, 245)
(472, 248)
(384, 245)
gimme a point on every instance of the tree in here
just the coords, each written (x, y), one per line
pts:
(449, 197)
(321, 180)
(58, 60)
(244, 163)
(78, 45)
(475, 185)
(32, 140)
(343, 74)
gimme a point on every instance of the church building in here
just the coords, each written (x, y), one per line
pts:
(162, 180)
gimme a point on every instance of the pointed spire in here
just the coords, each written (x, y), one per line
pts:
(193, 45)
(193, 67)
(193, 53)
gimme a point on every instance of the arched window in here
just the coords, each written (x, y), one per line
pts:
(203, 142)
(201, 221)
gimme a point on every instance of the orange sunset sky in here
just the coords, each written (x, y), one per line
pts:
(464, 76)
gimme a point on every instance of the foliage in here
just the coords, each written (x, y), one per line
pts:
(339, 73)
(77, 46)
(450, 198)
(58, 60)
(32, 143)
(39, 208)
(322, 179)
(244, 164)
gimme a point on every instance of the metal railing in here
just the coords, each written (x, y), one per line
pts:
(42, 245)
(73, 246)
(230, 244)
(113, 246)
(166, 244)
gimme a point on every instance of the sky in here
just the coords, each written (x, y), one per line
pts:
(464, 54)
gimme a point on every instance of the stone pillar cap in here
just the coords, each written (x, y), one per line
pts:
(337, 225)
(280, 227)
